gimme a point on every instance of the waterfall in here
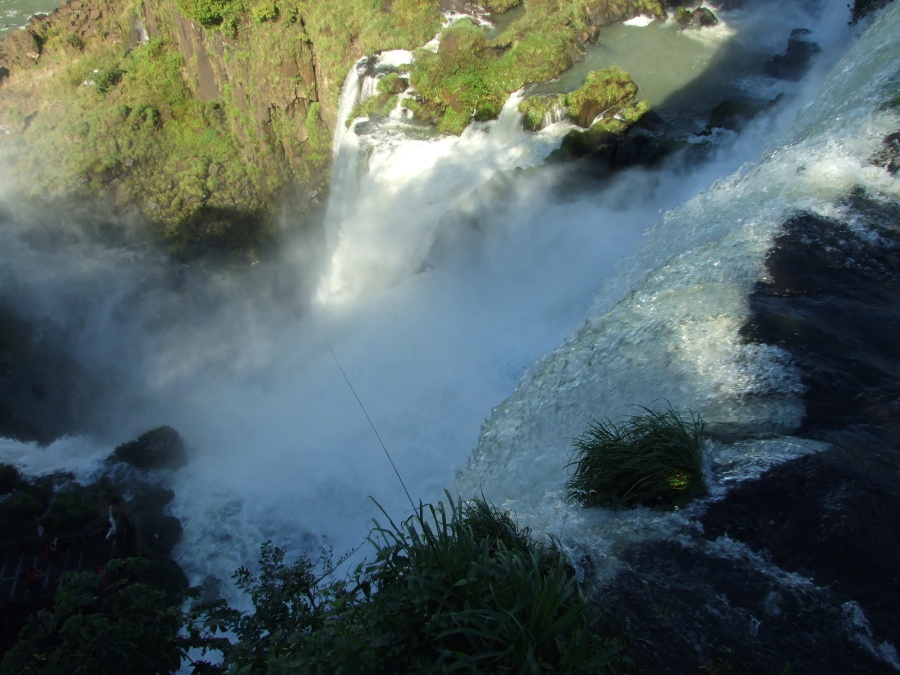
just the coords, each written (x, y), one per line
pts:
(667, 328)
(451, 266)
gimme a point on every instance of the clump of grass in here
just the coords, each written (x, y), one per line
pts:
(478, 594)
(651, 459)
(455, 588)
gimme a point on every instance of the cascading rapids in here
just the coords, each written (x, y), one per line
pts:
(667, 329)
(451, 265)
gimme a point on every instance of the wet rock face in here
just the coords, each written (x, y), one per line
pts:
(797, 58)
(833, 303)
(823, 517)
(889, 156)
(798, 567)
(715, 608)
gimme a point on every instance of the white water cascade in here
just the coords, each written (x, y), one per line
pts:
(450, 266)
(666, 329)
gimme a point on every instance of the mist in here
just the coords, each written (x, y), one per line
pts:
(444, 269)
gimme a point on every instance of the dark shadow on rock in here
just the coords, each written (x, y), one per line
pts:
(688, 609)
(832, 302)
(797, 59)
(160, 448)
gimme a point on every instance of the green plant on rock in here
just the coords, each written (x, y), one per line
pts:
(605, 93)
(606, 104)
(651, 459)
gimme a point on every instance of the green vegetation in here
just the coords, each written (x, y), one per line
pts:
(456, 588)
(23, 506)
(211, 13)
(74, 506)
(470, 77)
(652, 459)
(383, 101)
(56, 503)
(199, 140)
(500, 6)
(167, 135)
(132, 125)
(389, 88)
(99, 623)
(607, 96)
(342, 32)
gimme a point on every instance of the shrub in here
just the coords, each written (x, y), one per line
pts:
(265, 10)
(652, 459)
(107, 78)
(456, 588)
(212, 12)
(101, 623)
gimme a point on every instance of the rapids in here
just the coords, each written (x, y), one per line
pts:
(447, 269)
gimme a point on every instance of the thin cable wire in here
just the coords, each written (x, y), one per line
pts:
(371, 424)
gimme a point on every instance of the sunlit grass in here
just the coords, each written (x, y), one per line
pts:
(651, 459)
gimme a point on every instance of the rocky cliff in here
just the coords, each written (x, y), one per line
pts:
(202, 117)
(199, 127)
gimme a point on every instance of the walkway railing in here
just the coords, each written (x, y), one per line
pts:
(30, 569)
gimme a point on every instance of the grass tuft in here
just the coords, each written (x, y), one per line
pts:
(481, 595)
(652, 459)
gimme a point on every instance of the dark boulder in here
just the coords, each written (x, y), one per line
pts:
(797, 59)
(161, 448)
(702, 17)
(734, 115)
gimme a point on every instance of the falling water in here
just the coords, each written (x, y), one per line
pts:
(449, 267)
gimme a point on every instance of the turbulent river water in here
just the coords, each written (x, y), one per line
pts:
(449, 272)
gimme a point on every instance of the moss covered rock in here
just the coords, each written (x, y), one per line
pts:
(607, 100)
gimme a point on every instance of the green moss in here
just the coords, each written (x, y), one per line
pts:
(377, 106)
(605, 93)
(536, 109)
(606, 104)
(264, 10)
(472, 76)
(460, 82)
